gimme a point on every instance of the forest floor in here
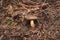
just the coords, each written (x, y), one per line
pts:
(16, 21)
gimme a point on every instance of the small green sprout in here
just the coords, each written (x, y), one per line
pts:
(9, 22)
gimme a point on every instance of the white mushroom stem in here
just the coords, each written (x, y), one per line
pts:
(32, 23)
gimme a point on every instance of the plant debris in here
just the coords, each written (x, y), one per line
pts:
(29, 19)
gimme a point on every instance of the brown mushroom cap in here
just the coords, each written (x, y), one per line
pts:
(30, 17)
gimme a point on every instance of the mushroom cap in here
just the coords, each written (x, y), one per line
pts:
(30, 17)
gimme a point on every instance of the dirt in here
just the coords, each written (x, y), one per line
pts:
(14, 25)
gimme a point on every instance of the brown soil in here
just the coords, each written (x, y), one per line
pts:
(15, 26)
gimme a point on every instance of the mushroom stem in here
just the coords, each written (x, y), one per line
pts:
(32, 23)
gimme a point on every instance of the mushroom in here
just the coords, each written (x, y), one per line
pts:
(31, 18)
